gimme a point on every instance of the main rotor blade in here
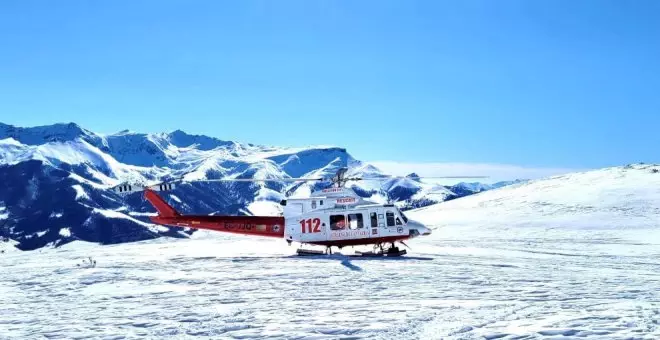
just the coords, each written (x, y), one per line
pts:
(167, 185)
(420, 177)
(254, 180)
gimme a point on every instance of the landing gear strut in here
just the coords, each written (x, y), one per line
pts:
(380, 249)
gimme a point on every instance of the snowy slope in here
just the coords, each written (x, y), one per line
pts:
(570, 257)
(623, 199)
(7, 245)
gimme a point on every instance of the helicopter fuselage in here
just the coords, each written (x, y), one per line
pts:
(341, 220)
(329, 219)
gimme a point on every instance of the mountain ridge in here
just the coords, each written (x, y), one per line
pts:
(59, 177)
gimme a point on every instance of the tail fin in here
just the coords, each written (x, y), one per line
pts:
(164, 209)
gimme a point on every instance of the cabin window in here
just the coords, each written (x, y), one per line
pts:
(321, 202)
(374, 220)
(398, 221)
(313, 204)
(337, 222)
(355, 221)
(390, 218)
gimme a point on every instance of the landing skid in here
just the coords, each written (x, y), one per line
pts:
(309, 252)
(389, 253)
(379, 251)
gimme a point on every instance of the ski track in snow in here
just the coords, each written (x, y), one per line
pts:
(490, 287)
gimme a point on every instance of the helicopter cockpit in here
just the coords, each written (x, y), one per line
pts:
(394, 216)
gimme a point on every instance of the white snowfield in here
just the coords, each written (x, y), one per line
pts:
(571, 257)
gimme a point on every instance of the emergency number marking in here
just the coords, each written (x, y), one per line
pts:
(306, 225)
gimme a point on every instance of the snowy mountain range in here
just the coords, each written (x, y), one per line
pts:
(56, 180)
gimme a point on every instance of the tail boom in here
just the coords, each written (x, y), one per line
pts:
(245, 225)
(270, 226)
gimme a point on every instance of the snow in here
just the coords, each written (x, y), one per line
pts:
(10, 142)
(116, 214)
(80, 192)
(11, 151)
(377, 198)
(432, 191)
(265, 208)
(65, 232)
(250, 287)
(268, 194)
(570, 257)
(6, 246)
(134, 213)
(101, 166)
(623, 200)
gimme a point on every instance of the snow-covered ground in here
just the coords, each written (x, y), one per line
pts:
(575, 257)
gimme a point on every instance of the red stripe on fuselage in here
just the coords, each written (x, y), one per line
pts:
(245, 225)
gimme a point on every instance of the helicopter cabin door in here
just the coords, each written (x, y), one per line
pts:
(347, 225)
(373, 223)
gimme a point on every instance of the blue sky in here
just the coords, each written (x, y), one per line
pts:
(535, 84)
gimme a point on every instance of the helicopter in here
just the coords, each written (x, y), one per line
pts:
(332, 217)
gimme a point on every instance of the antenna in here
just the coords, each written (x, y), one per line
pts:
(339, 178)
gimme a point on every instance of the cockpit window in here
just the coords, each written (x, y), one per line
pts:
(337, 222)
(403, 216)
(355, 221)
(390, 218)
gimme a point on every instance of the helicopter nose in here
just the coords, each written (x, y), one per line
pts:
(419, 228)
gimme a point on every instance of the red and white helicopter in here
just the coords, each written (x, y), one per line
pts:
(332, 217)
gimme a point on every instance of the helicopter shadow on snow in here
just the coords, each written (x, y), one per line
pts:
(347, 261)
